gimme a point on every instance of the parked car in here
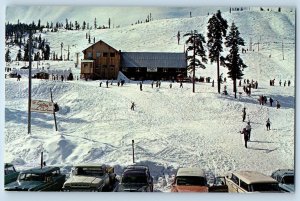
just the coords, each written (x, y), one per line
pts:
(135, 178)
(219, 185)
(286, 179)
(190, 180)
(251, 181)
(38, 179)
(10, 173)
(90, 177)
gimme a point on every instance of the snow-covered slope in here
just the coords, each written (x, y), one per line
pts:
(171, 127)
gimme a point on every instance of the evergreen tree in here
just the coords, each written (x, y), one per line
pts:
(26, 52)
(109, 23)
(7, 56)
(233, 61)
(195, 46)
(217, 28)
(95, 23)
(67, 24)
(89, 38)
(47, 52)
(19, 56)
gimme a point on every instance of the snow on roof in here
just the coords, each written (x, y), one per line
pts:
(251, 177)
(87, 61)
(198, 172)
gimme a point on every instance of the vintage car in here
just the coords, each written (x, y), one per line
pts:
(286, 179)
(10, 173)
(190, 180)
(38, 179)
(135, 178)
(251, 181)
(90, 177)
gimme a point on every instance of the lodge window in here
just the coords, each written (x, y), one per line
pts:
(244, 185)
(89, 55)
(138, 70)
(125, 69)
(112, 66)
(105, 54)
(165, 70)
(98, 54)
(104, 66)
(112, 54)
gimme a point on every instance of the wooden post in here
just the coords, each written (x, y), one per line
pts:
(133, 151)
(42, 160)
(29, 83)
(53, 111)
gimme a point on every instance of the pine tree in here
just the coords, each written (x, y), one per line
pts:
(95, 23)
(19, 55)
(83, 25)
(47, 52)
(7, 56)
(195, 45)
(217, 28)
(109, 23)
(233, 61)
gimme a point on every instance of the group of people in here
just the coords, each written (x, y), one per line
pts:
(247, 129)
(272, 82)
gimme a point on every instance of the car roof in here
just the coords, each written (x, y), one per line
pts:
(39, 170)
(283, 172)
(137, 167)
(198, 172)
(7, 165)
(90, 165)
(251, 177)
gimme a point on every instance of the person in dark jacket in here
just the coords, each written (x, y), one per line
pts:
(246, 137)
(244, 114)
(268, 125)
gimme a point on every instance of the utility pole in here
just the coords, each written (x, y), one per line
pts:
(53, 111)
(250, 48)
(282, 52)
(133, 151)
(258, 46)
(194, 57)
(61, 47)
(29, 83)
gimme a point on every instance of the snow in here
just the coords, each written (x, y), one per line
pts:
(171, 127)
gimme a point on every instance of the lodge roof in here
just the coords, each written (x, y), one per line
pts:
(100, 41)
(153, 59)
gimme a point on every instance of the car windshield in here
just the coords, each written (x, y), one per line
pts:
(31, 177)
(191, 181)
(265, 187)
(89, 171)
(134, 178)
(288, 180)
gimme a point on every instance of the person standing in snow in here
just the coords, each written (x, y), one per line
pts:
(271, 101)
(141, 86)
(152, 83)
(289, 83)
(170, 85)
(246, 137)
(248, 129)
(284, 83)
(268, 125)
(18, 77)
(277, 104)
(280, 82)
(132, 106)
(181, 86)
(100, 84)
(244, 114)
(106, 83)
(213, 83)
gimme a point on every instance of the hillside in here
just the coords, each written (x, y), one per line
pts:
(171, 127)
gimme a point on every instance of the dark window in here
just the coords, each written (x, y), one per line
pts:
(98, 54)
(105, 54)
(288, 180)
(165, 70)
(112, 66)
(265, 187)
(235, 179)
(104, 66)
(191, 181)
(244, 185)
(112, 54)
(89, 55)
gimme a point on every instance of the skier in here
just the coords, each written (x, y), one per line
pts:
(225, 90)
(280, 82)
(159, 83)
(240, 83)
(118, 83)
(18, 77)
(141, 86)
(289, 83)
(248, 129)
(213, 83)
(271, 101)
(132, 106)
(106, 83)
(100, 84)
(178, 37)
(181, 86)
(284, 82)
(268, 125)
(170, 85)
(244, 114)
(277, 104)
(152, 83)
(246, 137)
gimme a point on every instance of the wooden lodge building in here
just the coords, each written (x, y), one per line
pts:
(101, 61)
